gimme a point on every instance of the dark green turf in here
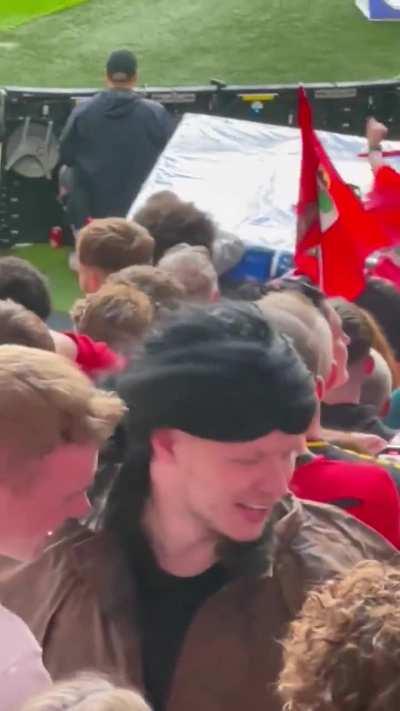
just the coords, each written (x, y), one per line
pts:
(191, 41)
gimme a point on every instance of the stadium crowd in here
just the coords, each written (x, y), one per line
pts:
(199, 483)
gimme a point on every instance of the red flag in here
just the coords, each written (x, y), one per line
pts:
(332, 219)
(387, 269)
(384, 202)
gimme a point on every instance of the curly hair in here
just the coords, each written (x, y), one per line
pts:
(117, 314)
(343, 651)
(163, 290)
(87, 692)
(170, 221)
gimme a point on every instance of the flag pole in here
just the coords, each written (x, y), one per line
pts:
(320, 261)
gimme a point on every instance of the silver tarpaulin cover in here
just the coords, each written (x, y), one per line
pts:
(246, 175)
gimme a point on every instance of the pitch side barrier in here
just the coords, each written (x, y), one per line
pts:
(31, 121)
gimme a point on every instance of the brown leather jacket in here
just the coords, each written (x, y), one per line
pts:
(79, 600)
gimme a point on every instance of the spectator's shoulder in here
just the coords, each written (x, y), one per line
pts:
(87, 104)
(153, 107)
(337, 540)
(22, 582)
(316, 542)
(34, 590)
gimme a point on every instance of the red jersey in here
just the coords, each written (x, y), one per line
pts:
(364, 490)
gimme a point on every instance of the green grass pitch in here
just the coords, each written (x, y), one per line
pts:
(192, 41)
(188, 42)
(17, 12)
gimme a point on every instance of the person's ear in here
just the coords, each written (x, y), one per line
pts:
(368, 365)
(162, 444)
(96, 279)
(320, 387)
(332, 376)
(91, 282)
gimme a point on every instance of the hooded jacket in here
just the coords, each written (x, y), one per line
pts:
(79, 598)
(112, 142)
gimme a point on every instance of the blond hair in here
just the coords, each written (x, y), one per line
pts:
(22, 327)
(113, 243)
(117, 314)
(342, 653)
(46, 401)
(87, 692)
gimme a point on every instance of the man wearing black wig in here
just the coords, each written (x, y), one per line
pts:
(204, 557)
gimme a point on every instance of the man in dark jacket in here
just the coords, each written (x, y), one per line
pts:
(204, 558)
(111, 142)
(343, 409)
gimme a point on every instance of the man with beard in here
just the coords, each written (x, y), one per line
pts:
(204, 557)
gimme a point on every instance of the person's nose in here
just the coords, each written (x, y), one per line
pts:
(276, 478)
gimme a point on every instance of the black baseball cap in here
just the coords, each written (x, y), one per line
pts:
(121, 65)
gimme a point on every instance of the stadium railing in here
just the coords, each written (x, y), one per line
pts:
(28, 206)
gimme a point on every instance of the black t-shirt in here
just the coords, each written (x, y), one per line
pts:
(167, 605)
